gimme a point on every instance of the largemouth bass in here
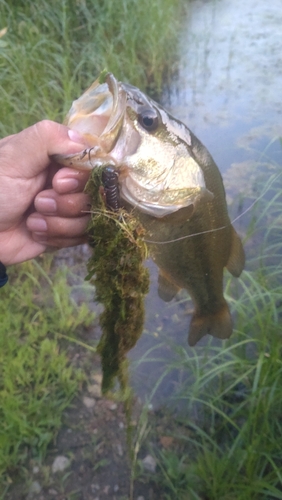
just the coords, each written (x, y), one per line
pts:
(171, 181)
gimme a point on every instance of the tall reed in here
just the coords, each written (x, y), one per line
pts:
(228, 434)
(53, 50)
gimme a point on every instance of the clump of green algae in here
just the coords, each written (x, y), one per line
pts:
(120, 278)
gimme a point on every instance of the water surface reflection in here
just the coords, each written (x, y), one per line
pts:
(228, 92)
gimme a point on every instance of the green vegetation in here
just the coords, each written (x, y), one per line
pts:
(37, 380)
(226, 442)
(121, 281)
(52, 51)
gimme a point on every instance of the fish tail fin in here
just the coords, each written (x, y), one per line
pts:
(218, 325)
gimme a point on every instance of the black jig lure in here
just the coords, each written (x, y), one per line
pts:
(111, 188)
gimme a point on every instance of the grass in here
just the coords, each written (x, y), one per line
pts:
(50, 52)
(227, 437)
(37, 380)
(227, 441)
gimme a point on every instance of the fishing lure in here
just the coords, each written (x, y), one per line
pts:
(110, 188)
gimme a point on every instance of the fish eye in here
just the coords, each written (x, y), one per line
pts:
(148, 119)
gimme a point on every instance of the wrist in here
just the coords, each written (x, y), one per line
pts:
(3, 275)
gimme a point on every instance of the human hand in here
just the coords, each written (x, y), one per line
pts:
(41, 204)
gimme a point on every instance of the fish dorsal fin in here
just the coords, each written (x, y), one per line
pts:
(236, 260)
(166, 289)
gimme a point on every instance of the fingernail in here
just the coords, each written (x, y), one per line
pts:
(36, 224)
(75, 136)
(67, 184)
(45, 205)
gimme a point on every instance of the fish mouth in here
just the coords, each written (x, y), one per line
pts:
(157, 173)
(99, 113)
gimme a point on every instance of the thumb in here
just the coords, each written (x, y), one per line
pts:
(28, 152)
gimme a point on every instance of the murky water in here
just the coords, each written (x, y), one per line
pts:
(229, 85)
(228, 92)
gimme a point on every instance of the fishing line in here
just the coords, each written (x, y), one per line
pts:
(202, 232)
(218, 228)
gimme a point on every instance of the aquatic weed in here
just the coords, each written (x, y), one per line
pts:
(121, 281)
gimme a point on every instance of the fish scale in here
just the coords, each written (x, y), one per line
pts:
(175, 188)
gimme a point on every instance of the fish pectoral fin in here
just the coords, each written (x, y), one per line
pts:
(166, 289)
(236, 261)
(218, 325)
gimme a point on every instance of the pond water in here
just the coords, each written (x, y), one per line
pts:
(228, 92)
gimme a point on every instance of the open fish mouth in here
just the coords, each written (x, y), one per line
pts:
(98, 114)
(150, 150)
